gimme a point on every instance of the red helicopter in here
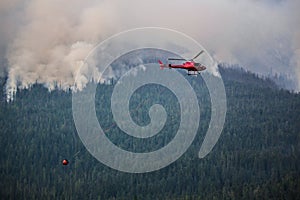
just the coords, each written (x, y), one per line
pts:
(192, 67)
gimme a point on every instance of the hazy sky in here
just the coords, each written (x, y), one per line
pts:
(43, 41)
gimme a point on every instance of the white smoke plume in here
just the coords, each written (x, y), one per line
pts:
(46, 41)
(262, 36)
(53, 41)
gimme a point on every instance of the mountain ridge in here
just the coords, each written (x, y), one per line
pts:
(256, 157)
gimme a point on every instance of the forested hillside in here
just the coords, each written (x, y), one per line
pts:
(256, 157)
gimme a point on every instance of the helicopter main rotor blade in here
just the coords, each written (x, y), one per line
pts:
(176, 59)
(198, 55)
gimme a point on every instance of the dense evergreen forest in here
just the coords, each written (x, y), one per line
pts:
(256, 157)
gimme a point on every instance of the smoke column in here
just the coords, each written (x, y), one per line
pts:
(46, 41)
(53, 40)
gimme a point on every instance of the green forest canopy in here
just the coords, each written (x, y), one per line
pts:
(257, 156)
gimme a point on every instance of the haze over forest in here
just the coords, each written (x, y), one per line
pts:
(45, 42)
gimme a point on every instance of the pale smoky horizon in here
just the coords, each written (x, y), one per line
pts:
(46, 41)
